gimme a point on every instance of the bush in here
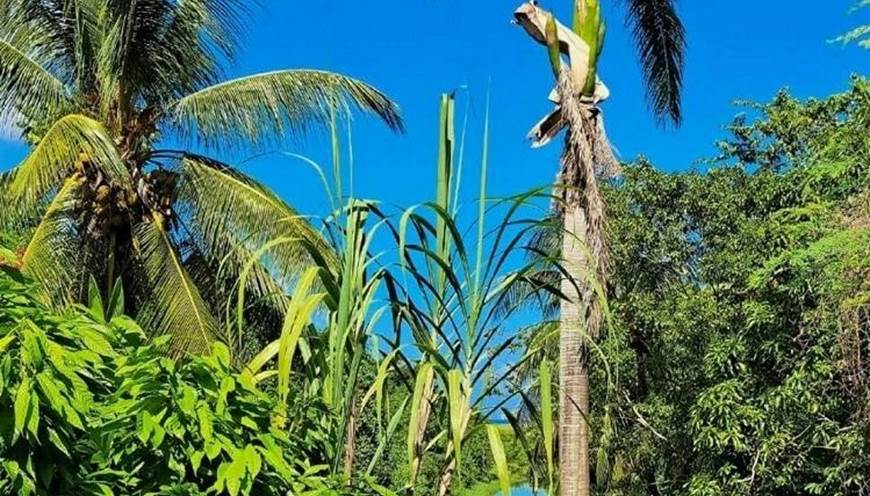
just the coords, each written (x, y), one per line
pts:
(88, 406)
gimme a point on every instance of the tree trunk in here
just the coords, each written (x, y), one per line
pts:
(584, 255)
(573, 360)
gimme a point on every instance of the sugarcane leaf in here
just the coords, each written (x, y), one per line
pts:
(498, 455)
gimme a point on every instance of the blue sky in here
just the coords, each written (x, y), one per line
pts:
(416, 49)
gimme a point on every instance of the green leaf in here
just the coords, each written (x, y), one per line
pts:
(5, 341)
(212, 449)
(457, 401)
(52, 248)
(69, 140)
(146, 426)
(498, 456)
(22, 405)
(252, 458)
(205, 423)
(176, 306)
(425, 375)
(196, 460)
(33, 417)
(95, 301)
(221, 353)
(553, 51)
(116, 300)
(234, 474)
(27, 86)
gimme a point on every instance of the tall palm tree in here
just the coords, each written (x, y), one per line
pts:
(99, 89)
(586, 156)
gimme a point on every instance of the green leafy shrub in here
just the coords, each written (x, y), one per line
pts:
(53, 371)
(90, 406)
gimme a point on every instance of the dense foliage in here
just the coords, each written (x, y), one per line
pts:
(88, 406)
(272, 358)
(741, 312)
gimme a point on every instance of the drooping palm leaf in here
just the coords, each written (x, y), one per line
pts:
(64, 32)
(661, 45)
(70, 140)
(260, 109)
(173, 304)
(232, 216)
(53, 249)
(12, 213)
(26, 86)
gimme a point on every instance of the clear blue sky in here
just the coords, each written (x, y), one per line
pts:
(416, 49)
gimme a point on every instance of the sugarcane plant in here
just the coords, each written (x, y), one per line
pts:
(449, 309)
(329, 320)
(451, 299)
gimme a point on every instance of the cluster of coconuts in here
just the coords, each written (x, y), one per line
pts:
(111, 206)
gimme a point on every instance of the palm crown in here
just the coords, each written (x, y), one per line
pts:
(95, 87)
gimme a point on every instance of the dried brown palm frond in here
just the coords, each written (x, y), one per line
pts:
(578, 185)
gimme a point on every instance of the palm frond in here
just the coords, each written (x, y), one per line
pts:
(10, 214)
(63, 32)
(27, 87)
(72, 139)
(232, 216)
(264, 108)
(661, 46)
(52, 256)
(173, 304)
(158, 50)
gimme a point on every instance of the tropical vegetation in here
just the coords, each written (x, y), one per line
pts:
(170, 326)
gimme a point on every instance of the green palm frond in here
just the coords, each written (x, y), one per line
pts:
(64, 32)
(232, 216)
(221, 272)
(10, 213)
(173, 304)
(70, 140)
(26, 86)
(158, 51)
(661, 46)
(52, 256)
(263, 108)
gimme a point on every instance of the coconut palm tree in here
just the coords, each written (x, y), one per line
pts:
(586, 157)
(99, 89)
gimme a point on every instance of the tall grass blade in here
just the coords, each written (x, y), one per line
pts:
(498, 456)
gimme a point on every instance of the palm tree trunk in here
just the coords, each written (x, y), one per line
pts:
(584, 256)
(574, 366)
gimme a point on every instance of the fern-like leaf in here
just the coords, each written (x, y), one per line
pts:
(27, 87)
(52, 255)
